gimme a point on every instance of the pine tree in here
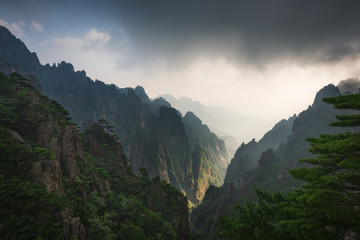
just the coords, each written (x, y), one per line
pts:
(328, 206)
(332, 193)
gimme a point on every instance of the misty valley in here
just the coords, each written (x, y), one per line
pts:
(81, 159)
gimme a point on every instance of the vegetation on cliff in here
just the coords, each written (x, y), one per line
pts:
(27, 209)
(56, 184)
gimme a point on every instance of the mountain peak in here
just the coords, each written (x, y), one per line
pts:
(191, 117)
(14, 50)
(140, 92)
(327, 91)
(68, 67)
(4, 31)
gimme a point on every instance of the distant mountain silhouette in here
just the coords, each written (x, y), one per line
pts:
(225, 122)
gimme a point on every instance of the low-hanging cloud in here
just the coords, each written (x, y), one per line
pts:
(93, 39)
(251, 31)
(16, 28)
(19, 27)
(37, 27)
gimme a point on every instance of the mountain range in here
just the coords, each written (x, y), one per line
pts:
(227, 123)
(180, 150)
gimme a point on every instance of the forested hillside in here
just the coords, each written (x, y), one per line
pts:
(59, 183)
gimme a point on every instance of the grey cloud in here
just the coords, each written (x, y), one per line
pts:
(242, 31)
(340, 52)
(249, 30)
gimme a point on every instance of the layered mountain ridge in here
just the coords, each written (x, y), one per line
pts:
(152, 132)
(227, 123)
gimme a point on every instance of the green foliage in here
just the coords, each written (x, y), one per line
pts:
(103, 129)
(326, 207)
(22, 107)
(131, 209)
(257, 221)
(43, 153)
(351, 101)
(132, 232)
(137, 219)
(27, 210)
(134, 208)
(54, 107)
(346, 102)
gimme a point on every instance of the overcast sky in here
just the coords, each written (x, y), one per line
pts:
(261, 57)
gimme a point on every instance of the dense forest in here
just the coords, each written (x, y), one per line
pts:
(61, 183)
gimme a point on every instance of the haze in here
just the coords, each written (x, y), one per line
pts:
(264, 59)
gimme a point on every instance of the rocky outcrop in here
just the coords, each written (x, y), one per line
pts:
(67, 148)
(7, 67)
(63, 141)
(101, 186)
(73, 225)
(49, 173)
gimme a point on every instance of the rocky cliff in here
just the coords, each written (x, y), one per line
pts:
(209, 156)
(247, 155)
(59, 183)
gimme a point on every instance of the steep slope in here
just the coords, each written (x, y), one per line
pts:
(152, 133)
(247, 155)
(56, 184)
(267, 169)
(209, 156)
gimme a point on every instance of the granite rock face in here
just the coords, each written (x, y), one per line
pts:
(49, 173)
